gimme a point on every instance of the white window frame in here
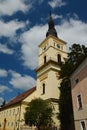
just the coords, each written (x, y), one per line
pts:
(76, 80)
(78, 102)
(81, 124)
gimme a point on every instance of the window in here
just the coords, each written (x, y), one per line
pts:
(61, 47)
(8, 123)
(43, 88)
(58, 46)
(13, 111)
(59, 58)
(79, 99)
(44, 48)
(77, 80)
(17, 111)
(11, 123)
(83, 125)
(54, 43)
(7, 112)
(44, 59)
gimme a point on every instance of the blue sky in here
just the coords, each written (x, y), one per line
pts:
(23, 26)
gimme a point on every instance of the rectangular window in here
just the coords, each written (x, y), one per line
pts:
(79, 99)
(77, 80)
(83, 125)
(13, 111)
(59, 58)
(44, 59)
(43, 88)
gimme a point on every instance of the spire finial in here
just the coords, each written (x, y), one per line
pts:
(50, 13)
(51, 29)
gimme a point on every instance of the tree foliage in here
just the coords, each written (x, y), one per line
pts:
(75, 56)
(3, 103)
(39, 113)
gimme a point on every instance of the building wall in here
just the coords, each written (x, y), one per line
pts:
(51, 47)
(55, 119)
(25, 102)
(79, 87)
(48, 74)
(51, 82)
(11, 115)
(15, 114)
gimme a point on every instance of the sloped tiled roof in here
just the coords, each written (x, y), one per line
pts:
(20, 97)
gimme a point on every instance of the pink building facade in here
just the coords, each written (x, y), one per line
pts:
(79, 95)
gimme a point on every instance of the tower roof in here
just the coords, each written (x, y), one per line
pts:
(51, 29)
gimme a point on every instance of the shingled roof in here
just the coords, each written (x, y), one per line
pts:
(20, 97)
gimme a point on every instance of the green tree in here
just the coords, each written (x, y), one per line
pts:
(3, 103)
(39, 113)
(75, 56)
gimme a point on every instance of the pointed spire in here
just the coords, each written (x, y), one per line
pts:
(50, 13)
(51, 29)
(51, 22)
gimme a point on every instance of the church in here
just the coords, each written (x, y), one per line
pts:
(52, 50)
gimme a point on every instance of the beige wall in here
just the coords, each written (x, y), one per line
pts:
(56, 110)
(50, 48)
(79, 88)
(25, 102)
(51, 85)
(12, 116)
(15, 114)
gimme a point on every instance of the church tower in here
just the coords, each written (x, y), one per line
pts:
(52, 51)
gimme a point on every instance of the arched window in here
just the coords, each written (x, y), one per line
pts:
(44, 59)
(43, 88)
(59, 58)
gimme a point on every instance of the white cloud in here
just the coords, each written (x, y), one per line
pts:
(22, 82)
(9, 7)
(72, 31)
(3, 73)
(31, 39)
(57, 16)
(4, 49)
(56, 3)
(9, 29)
(4, 88)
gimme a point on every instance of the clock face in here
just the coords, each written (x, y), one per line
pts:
(45, 47)
(59, 46)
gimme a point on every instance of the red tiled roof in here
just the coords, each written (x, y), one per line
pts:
(20, 97)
